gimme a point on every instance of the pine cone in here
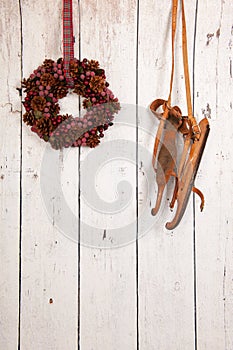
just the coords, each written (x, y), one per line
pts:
(74, 68)
(60, 91)
(97, 83)
(25, 83)
(29, 118)
(93, 141)
(79, 89)
(54, 109)
(44, 126)
(29, 84)
(87, 103)
(48, 64)
(93, 65)
(47, 79)
(38, 103)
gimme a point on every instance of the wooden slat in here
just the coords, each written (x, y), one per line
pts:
(49, 300)
(166, 272)
(9, 173)
(108, 258)
(214, 226)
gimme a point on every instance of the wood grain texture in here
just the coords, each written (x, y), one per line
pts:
(9, 173)
(213, 90)
(166, 266)
(108, 261)
(49, 286)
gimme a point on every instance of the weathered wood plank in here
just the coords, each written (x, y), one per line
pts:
(9, 173)
(49, 250)
(166, 274)
(108, 270)
(214, 227)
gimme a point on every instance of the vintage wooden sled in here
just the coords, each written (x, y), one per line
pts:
(195, 135)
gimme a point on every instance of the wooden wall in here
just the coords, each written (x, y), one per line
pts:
(91, 269)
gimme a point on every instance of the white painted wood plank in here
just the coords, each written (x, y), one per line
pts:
(9, 173)
(49, 250)
(214, 226)
(166, 276)
(108, 274)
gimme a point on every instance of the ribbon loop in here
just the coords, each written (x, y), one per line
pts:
(68, 39)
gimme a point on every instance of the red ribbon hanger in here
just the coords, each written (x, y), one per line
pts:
(68, 39)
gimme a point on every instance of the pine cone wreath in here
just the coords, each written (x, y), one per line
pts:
(47, 84)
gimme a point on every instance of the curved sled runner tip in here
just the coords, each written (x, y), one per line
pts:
(186, 182)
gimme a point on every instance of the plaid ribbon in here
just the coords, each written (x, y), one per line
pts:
(68, 39)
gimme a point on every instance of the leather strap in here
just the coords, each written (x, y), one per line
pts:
(174, 21)
(185, 63)
(195, 127)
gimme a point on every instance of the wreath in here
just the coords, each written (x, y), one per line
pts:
(48, 84)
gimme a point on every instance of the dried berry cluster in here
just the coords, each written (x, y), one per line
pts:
(47, 84)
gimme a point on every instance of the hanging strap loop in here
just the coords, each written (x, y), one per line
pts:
(174, 22)
(195, 126)
(68, 39)
(185, 63)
